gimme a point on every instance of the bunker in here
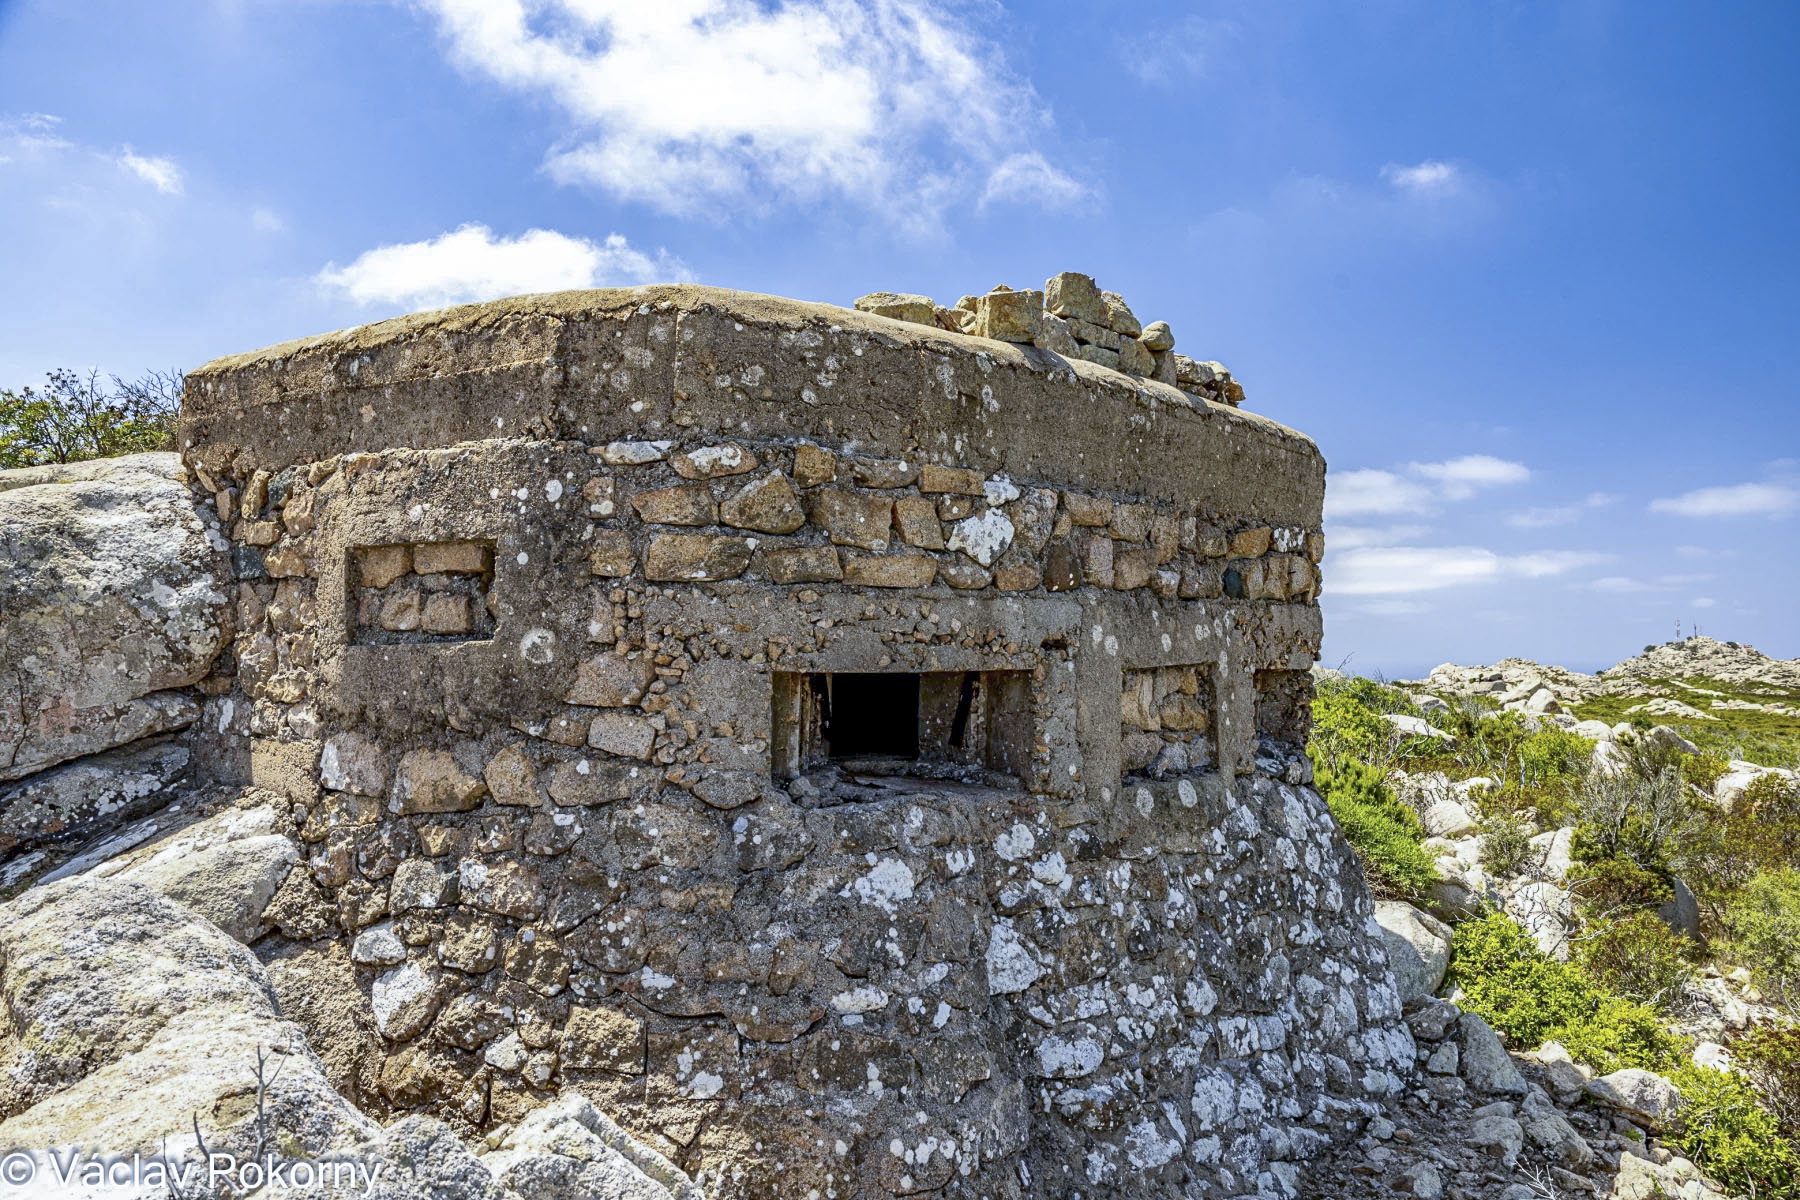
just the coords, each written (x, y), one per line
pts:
(863, 757)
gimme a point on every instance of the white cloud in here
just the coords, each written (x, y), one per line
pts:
(267, 220)
(1030, 178)
(1369, 491)
(1459, 478)
(1402, 570)
(1703, 602)
(472, 264)
(686, 104)
(1429, 178)
(1619, 583)
(1539, 518)
(1178, 53)
(1736, 500)
(1359, 493)
(1351, 537)
(160, 173)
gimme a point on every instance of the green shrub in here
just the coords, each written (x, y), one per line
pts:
(1513, 985)
(1764, 927)
(1620, 1034)
(1770, 1057)
(1384, 832)
(1729, 1135)
(1641, 814)
(1759, 834)
(1530, 998)
(1347, 723)
(1505, 845)
(78, 417)
(1704, 770)
(1613, 886)
(1637, 957)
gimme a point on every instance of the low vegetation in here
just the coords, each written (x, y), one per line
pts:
(75, 417)
(1640, 829)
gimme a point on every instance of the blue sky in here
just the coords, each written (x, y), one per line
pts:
(1526, 272)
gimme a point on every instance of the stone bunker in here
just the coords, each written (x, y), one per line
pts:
(863, 758)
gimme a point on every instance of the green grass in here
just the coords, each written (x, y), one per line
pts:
(1770, 739)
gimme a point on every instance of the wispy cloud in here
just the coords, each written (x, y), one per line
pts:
(1403, 570)
(472, 264)
(1734, 500)
(1371, 492)
(1429, 178)
(1703, 602)
(1351, 537)
(1179, 53)
(693, 106)
(1565, 514)
(159, 172)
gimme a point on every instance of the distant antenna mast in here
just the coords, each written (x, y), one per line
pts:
(1678, 629)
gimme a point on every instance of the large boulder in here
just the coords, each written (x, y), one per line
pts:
(80, 798)
(226, 868)
(1418, 947)
(1484, 1062)
(132, 1018)
(1681, 911)
(1545, 911)
(1643, 1096)
(569, 1150)
(114, 588)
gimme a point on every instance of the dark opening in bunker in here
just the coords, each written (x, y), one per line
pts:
(933, 723)
(871, 715)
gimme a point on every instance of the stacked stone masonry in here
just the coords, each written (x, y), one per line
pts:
(1073, 318)
(1082, 927)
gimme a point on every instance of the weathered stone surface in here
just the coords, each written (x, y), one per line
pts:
(1644, 1096)
(603, 1039)
(568, 1150)
(226, 868)
(1158, 336)
(695, 557)
(934, 479)
(1418, 947)
(129, 1015)
(1134, 359)
(351, 762)
(1074, 295)
(622, 734)
(767, 505)
(890, 570)
(1056, 335)
(916, 518)
(902, 306)
(1119, 317)
(90, 796)
(805, 564)
(612, 680)
(114, 590)
(853, 518)
(1009, 316)
(813, 465)
(1485, 1062)
(512, 779)
(713, 462)
(431, 781)
(452, 558)
(612, 555)
(683, 504)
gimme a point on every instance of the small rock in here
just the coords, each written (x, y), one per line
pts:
(1486, 1065)
(1644, 1096)
(1501, 1136)
(1158, 336)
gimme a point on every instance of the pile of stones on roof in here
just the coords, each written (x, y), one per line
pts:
(1072, 317)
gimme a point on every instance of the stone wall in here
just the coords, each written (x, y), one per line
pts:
(542, 608)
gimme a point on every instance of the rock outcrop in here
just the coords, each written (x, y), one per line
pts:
(113, 587)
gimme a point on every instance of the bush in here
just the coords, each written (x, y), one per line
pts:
(1640, 815)
(1384, 832)
(1530, 998)
(1730, 1136)
(1614, 886)
(1759, 834)
(1347, 724)
(1764, 927)
(1513, 985)
(79, 417)
(1505, 845)
(1637, 957)
(1621, 1034)
(1704, 770)
(1770, 1057)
